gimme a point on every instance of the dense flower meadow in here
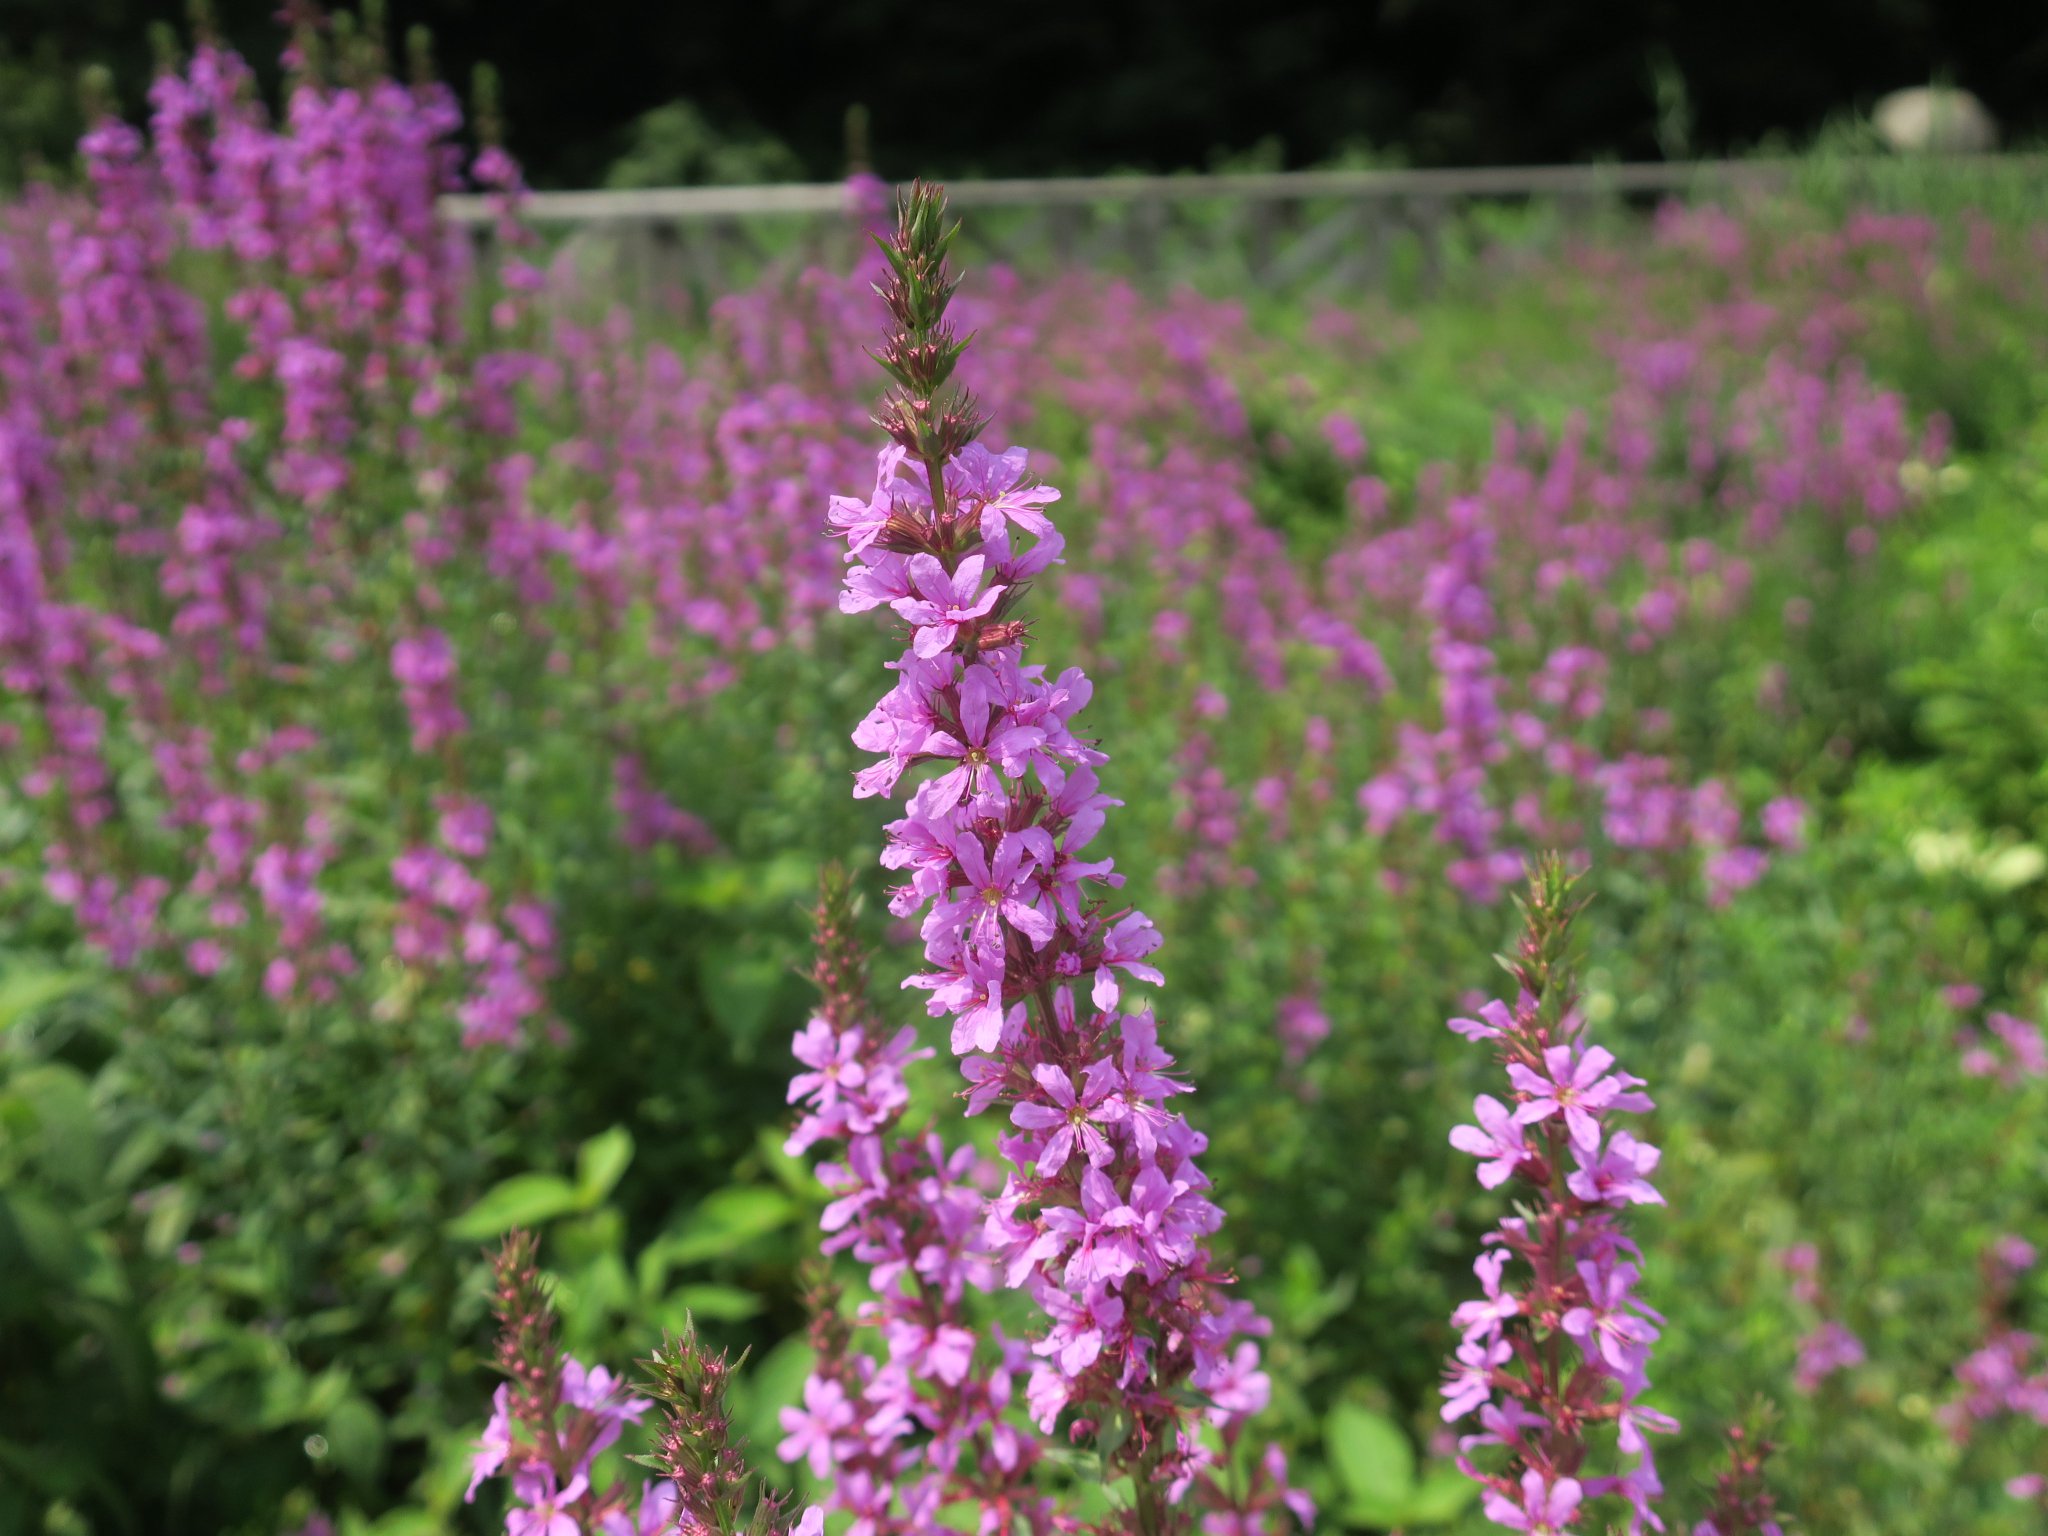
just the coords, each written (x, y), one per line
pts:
(429, 695)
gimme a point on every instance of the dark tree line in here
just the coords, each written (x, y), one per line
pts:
(1052, 86)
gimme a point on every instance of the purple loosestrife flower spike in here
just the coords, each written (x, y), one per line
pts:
(1104, 1215)
(900, 1439)
(1558, 1346)
(1743, 1504)
(713, 1491)
(553, 1418)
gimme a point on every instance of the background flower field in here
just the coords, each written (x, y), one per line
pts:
(424, 715)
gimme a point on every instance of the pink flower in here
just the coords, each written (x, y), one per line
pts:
(1302, 1026)
(943, 603)
(1497, 1140)
(812, 1430)
(981, 753)
(861, 522)
(544, 1509)
(1003, 888)
(1546, 1508)
(1579, 1089)
(1483, 1318)
(1609, 1320)
(1618, 1174)
(835, 1060)
(1072, 1119)
(1828, 1349)
(1494, 1021)
(1784, 822)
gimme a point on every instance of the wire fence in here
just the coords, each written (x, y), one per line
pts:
(1280, 230)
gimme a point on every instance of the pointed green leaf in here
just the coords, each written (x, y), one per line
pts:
(1440, 1497)
(67, 1141)
(711, 1304)
(727, 1220)
(1371, 1455)
(22, 992)
(524, 1200)
(600, 1163)
(355, 1438)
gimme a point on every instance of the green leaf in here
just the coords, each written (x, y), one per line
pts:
(68, 1137)
(792, 1173)
(1371, 1455)
(1440, 1497)
(741, 993)
(170, 1216)
(355, 1438)
(284, 1397)
(43, 1235)
(600, 1163)
(710, 1303)
(23, 992)
(1373, 1514)
(726, 1221)
(524, 1200)
(1115, 1430)
(137, 1153)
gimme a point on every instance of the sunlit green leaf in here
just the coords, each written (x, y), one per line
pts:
(524, 1200)
(1371, 1455)
(600, 1163)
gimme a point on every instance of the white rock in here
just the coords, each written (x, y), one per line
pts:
(1936, 118)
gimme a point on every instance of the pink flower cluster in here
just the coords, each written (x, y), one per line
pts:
(446, 921)
(552, 1492)
(2006, 1377)
(1208, 816)
(900, 1438)
(424, 665)
(1105, 1211)
(345, 288)
(2025, 1054)
(553, 1418)
(1554, 581)
(648, 818)
(1743, 1504)
(1560, 1344)
(1302, 1025)
(282, 506)
(1830, 1345)
(1503, 739)
(1104, 1215)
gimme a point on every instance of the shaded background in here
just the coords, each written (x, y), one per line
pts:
(1115, 84)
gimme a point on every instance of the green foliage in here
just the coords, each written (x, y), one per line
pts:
(677, 146)
(39, 117)
(1377, 1477)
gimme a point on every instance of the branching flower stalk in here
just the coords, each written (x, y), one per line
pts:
(714, 1491)
(1558, 1348)
(552, 1418)
(922, 1429)
(1743, 1504)
(1104, 1217)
